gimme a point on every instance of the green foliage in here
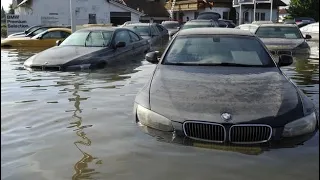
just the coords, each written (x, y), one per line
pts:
(11, 10)
(304, 8)
(3, 13)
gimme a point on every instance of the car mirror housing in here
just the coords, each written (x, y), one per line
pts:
(120, 44)
(308, 36)
(285, 60)
(152, 57)
(58, 42)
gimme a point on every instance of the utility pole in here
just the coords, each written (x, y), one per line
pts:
(271, 4)
(72, 20)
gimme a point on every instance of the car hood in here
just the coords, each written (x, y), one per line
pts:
(279, 43)
(61, 55)
(17, 39)
(255, 95)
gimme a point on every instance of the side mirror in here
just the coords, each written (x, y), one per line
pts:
(308, 36)
(285, 60)
(58, 42)
(120, 44)
(152, 57)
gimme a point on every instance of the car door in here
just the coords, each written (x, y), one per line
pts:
(156, 37)
(122, 53)
(49, 39)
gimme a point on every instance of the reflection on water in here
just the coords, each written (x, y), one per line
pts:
(78, 121)
(81, 167)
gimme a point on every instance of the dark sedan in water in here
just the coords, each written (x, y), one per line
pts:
(221, 85)
(90, 48)
(284, 39)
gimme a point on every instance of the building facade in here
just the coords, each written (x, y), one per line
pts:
(182, 10)
(86, 11)
(263, 10)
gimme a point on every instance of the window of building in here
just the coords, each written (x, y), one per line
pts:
(262, 16)
(246, 17)
(225, 15)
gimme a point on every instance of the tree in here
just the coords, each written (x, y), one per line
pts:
(304, 8)
(11, 10)
(3, 13)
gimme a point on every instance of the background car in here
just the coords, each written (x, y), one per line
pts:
(37, 30)
(229, 23)
(200, 24)
(312, 30)
(222, 86)
(157, 35)
(284, 39)
(91, 48)
(172, 27)
(45, 39)
(209, 16)
(27, 31)
(249, 27)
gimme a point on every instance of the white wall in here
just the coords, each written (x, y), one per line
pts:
(83, 8)
(266, 11)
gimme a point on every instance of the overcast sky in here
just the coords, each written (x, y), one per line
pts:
(5, 3)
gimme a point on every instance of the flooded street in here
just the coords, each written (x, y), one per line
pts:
(79, 125)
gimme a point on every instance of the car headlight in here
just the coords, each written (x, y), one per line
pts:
(301, 126)
(153, 120)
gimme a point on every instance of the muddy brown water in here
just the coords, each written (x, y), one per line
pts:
(79, 125)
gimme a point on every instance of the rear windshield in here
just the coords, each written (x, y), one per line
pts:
(218, 50)
(197, 25)
(279, 32)
(141, 30)
(171, 25)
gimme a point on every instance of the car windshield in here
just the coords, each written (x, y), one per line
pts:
(171, 25)
(88, 39)
(31, 29)
(279, 32)
(218, 50)
(36, 32)
(141, 30)
(197, 25)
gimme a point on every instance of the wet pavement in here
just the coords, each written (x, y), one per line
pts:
(79, 125)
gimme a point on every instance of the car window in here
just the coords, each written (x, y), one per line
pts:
(76, 39)
(64, 34)
(38, 31)
(279, 32)
(159, 28)
(154, 31)
(134, 37)
(217, 49)
(122, 36)
(141, 30)
(171, 25)
(52, 35)
(95, 39)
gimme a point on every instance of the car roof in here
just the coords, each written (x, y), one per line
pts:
(99, 28)
(214, 31)
(59, 29)
(278, 25)
(141, 24)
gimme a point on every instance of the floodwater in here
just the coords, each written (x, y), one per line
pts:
(79, 125)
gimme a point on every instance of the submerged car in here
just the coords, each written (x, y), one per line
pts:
(45, 39)
(90, 48)
(157, 35)
(222, 85)
(200, 24)
(312, 30)
(35, 31)
(27, 31)
(172, 26)
(284, 39)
